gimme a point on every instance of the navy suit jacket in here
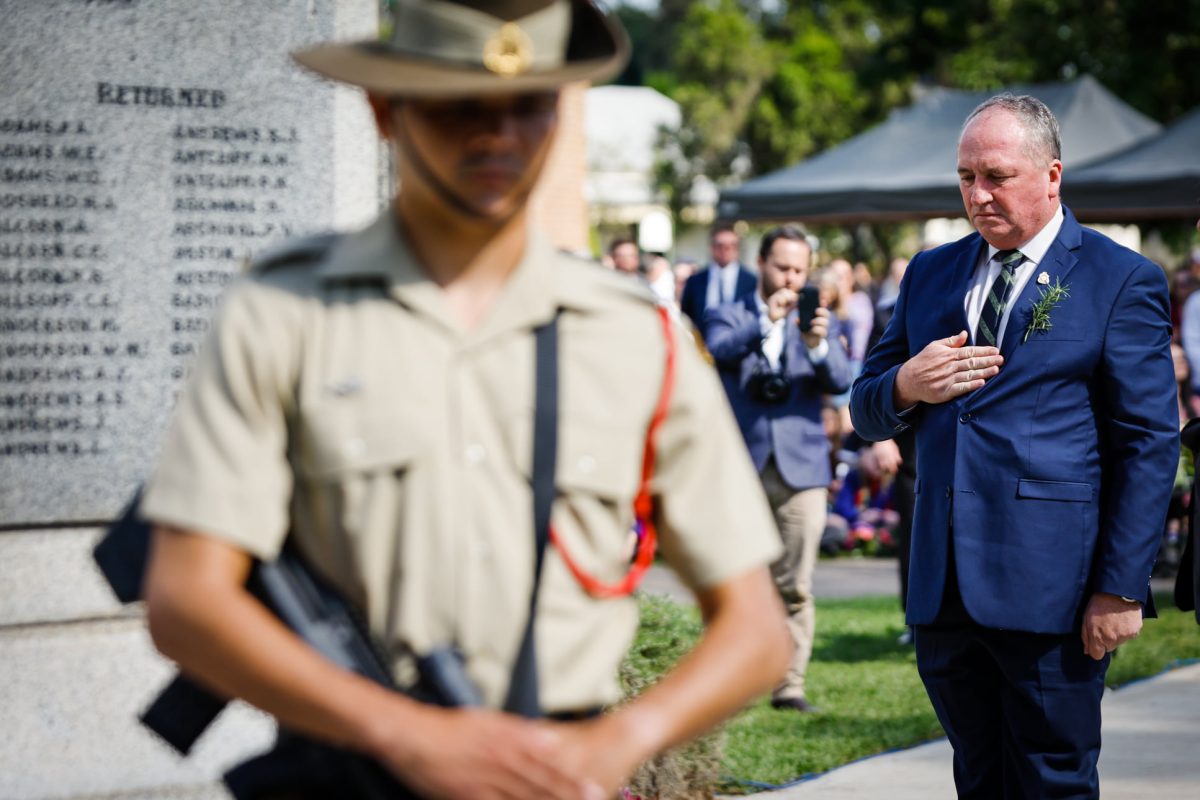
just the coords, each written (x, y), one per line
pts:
(791, 430)
(1053, 478)
(695, 292)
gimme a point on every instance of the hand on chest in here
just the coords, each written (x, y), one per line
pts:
(1054, 324)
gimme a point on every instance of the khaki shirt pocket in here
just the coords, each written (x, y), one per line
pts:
(597, 471)
(352, 503)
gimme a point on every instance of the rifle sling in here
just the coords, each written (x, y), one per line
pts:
(523, 690)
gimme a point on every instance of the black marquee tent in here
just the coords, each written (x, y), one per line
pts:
(904, 169)
(1156, 178)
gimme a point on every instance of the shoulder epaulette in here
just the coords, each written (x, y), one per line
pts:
(578, 257)
(304, 249)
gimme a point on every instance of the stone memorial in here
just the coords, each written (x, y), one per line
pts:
(147, 149)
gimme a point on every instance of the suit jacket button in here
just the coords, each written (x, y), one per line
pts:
(964, 419)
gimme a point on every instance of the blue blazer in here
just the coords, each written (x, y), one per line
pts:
(695, 292)
(791, 430)
(1055, 476)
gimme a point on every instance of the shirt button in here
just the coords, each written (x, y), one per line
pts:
(586, 465)
(481, 550)
(353, 448)
(475, 454)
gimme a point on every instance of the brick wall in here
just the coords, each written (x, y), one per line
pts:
(559, 207)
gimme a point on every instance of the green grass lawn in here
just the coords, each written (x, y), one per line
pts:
(865, 683)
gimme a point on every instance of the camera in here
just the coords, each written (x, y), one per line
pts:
(769, 387)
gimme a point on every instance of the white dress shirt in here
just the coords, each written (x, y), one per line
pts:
(772, 338)
(986, 271)
(722, 284)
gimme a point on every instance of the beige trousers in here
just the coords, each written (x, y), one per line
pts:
(800, 516)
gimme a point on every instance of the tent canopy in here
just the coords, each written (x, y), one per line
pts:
(1156, 178)
(905, 167)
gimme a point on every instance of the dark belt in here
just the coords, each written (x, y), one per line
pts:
(578, 715)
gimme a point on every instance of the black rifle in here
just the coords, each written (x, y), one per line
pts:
(319, 615)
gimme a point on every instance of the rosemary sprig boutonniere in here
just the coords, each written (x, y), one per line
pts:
(1039, 315)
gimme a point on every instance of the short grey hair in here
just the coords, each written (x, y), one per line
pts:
(1043, 141)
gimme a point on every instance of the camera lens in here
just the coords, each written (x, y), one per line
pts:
(769, 387)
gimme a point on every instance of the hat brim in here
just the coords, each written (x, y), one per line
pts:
(377, 69)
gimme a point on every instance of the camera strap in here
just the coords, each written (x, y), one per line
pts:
(523, 690)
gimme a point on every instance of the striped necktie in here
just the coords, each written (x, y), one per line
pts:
(988, 330)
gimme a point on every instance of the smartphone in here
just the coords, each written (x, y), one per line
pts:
(806, 306)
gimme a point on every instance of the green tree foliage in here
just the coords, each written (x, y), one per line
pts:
(766, 84)
(721, 62)
(1145, 51)
(811, 102)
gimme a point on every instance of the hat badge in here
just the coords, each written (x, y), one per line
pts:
(508, 52)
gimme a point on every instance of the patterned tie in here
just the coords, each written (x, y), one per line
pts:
(993, 308)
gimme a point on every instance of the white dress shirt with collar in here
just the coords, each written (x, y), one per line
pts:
(722, 284)
(772, 338)
(986, 271)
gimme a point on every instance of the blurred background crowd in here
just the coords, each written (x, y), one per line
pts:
(871, 495)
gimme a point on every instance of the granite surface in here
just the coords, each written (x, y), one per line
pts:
(147, 150)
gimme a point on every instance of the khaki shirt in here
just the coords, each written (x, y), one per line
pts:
(338, 394)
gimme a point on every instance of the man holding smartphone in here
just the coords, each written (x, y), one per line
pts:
(777, 360)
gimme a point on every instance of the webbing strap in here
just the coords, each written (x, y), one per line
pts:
(523, 690)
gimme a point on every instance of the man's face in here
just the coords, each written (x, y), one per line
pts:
(486, 152)
(724, 247)
(626, 257)
(785, 267)
(1009, 195)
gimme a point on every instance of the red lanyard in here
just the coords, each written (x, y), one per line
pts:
(643, 505)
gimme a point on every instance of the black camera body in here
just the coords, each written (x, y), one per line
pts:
(769, 387)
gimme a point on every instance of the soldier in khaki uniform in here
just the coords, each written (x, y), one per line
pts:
(373, 394)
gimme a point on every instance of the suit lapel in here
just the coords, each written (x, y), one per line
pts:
(747, 282)
(959, 280)
(1058, 262)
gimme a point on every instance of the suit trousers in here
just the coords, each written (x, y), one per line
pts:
(1021, 710)
(800, 515)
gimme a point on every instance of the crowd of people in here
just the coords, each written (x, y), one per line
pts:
(866, 514)
(870, 495)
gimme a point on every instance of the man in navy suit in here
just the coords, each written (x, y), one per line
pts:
(724, 280)
(1046, 449)
(775, 373)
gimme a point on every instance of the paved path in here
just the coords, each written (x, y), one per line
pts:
(1149, 726)
(1148, 753)
(840, 577)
